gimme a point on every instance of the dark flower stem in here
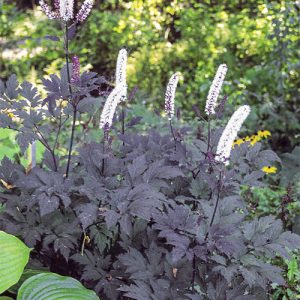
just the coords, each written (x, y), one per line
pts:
(208, 135)
(71, 141)
(46, 144)
(123, 121)
(194, 273)
(173, 133)
(103, 151)
(74, 105)
(217, 203)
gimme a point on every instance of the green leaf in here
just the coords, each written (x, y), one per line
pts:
(14, 256)
(26, 274)
(292, 269)
(49, 286)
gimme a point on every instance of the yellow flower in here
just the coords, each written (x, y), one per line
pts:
(263, 133)
(238, 142)
(254, 139)
(269, 169)
(247, 138)
(10, 115)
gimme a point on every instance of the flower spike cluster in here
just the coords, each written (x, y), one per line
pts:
(75, 78)
(230, 133)
(114, 98)
(64, 10)
(215, 89)
(170, 95)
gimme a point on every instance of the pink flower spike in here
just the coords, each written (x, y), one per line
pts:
(84, 10)
(48, 11)
(56, 4)
(75, 78)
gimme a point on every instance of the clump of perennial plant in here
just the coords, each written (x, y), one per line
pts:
(138, 215)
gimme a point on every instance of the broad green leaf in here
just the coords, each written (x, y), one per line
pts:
(5, 298)
(51, 286)
(14, 256)
(26, 274)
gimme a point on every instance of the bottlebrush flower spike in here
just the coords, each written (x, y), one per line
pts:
(170, 95)
(121, 71)
(215, 89)
(84, 10)
(114, 98)
(75, 78)
(66, 8)
(48, 11)
(121, 67)
(230, 133)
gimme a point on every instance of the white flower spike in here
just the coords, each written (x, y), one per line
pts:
(114, 98)
(230, 133)
(170, 95)
(121, 67)
(215, 89)
(66, 9)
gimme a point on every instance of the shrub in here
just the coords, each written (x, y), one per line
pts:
(132, 214)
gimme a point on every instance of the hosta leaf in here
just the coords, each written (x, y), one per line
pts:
(26, 274)
(49, 286)
(14, 256)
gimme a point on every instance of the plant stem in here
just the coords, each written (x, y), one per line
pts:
(67, 59)
(47, 146)
(194, 273)
(123, 120)
(208, 136)
(172, 131)
(216, 205)
(71, 141)
(103, 150)
(74, 105)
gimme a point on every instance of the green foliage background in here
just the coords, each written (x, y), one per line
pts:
(258, 40)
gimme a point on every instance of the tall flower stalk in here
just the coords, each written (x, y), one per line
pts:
(170, 100)
(212, 98)
(215, 89)
(111, 103)
(121, 67)
(230, 133)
